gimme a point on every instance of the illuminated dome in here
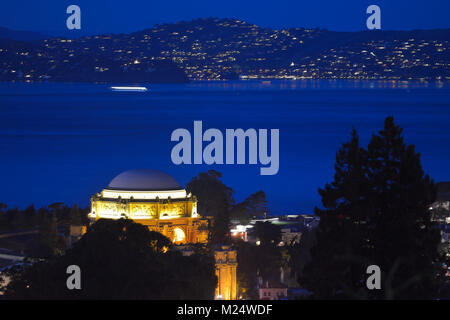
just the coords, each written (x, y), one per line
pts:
(154, 199)
(144, 180)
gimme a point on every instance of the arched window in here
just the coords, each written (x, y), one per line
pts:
(178, 235)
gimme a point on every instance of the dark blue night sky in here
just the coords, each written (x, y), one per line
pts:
(103, 16)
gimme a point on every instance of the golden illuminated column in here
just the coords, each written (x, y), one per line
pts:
(233, 270)
(226, 265)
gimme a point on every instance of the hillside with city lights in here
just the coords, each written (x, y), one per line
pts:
(229, 49)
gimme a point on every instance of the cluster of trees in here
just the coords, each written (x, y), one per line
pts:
(376, 212)
(215, 199)
(118, 259)
(267, 260)
(51, 223)
(12, 219)
(254, 262)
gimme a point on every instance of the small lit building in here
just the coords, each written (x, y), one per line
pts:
(240, 231)
(272, 290)
(290, 234)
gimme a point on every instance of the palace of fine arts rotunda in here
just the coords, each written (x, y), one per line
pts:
(156, 200)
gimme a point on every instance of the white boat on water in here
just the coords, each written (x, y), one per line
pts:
(129, 89)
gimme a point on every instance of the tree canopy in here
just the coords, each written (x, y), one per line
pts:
(253, 206)
(119, 259)
(215, 199)
(256, 261)
(376, 212)
(267, 233)
(75, 216)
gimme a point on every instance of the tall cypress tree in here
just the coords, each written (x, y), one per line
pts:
(404, 241)
(375, 213)
(214, 199)
(336, 267)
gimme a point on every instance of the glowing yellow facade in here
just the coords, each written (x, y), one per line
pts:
(155, 200)
(226, 265)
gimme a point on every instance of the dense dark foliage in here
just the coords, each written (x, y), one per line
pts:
(376, 212)
(254, 263)
(119, 260)
(215, 200)
(267, 233)
(253, 206)
(14, 219)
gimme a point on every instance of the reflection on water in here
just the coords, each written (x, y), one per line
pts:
(315, 84)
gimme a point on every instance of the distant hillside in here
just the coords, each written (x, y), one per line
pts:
(6, 33)
(221, 49)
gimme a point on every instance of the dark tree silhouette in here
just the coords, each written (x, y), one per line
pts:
(215, 199)
(253, 206)
(119, 259)
(300, 252)
(256, 261)
(75, 216)
(376, 212)
(267, 233)
(49, 242)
